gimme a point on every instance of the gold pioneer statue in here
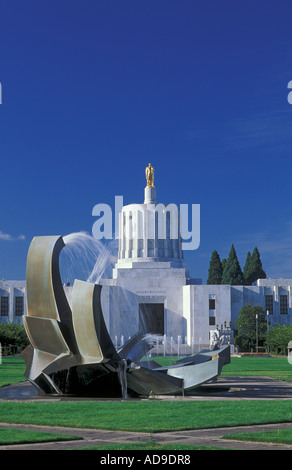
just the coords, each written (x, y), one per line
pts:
(150, 175)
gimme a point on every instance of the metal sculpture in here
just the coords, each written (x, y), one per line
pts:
(71, 350)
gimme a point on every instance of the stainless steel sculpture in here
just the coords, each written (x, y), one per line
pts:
(71, 350)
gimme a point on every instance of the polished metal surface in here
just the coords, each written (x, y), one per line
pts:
(72, 352)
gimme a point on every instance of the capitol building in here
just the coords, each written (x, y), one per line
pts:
(151, 290)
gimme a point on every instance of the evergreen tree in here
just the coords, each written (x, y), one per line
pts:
(247, 270)
(256, 268)
(215, 269)
(223, 263)
(232, 274)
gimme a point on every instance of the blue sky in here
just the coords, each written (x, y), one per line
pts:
(92, 91)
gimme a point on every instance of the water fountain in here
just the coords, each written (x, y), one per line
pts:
(71, 350)
(86, 258)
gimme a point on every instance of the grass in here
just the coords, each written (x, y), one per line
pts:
(279, 436)
(13, 367)
(146, 416)
(165, 361)
(12, 370)
(151, 416)
(274, 367)
(20, 436)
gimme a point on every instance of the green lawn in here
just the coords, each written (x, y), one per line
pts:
(275, 367)
(13, 367)
(279, 436)
(146, 416)
(152, 416)
(165, 360)
(12, 370)
(20, 436)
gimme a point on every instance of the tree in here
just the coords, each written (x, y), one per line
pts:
(251, 324)
(13, 337)
(256, 268)
(247, 270)
(223, 262)
(278, 338)
(215, 269)
(232, 273)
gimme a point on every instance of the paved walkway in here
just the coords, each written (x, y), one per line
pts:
(201, 437)
(226, 388)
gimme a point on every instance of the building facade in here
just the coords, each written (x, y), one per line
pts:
(151, 291)
(216, 307)
(169, 304)
(12, 301)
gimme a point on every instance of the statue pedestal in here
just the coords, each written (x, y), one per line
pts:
(150, 195)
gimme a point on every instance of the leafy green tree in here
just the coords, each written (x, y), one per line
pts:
(232, 273)
(251, 323)
(13, 337)
(215, 269)
(278, 338)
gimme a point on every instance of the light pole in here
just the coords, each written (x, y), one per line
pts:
(268, 313)
(257, 334)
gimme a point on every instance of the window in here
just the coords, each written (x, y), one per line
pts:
(4, 306)
(18, 310)
(212, 304)
(270, 304)
(283, 305)
(212, 308)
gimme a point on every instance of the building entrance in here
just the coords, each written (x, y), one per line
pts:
(151, 318)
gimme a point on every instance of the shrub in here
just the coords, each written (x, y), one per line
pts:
(13, 338)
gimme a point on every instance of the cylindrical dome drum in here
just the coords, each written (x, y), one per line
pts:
(150, 232)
